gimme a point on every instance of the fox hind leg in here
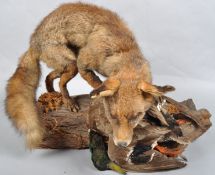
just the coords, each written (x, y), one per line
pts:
(70, 72)
(63, 60)
(50, 78)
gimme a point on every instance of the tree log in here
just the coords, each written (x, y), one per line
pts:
(64, 129)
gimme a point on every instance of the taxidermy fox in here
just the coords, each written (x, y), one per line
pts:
(82, 38)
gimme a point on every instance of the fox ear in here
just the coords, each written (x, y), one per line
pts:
(153, 89)
(107, 88)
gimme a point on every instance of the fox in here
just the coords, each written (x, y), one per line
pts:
(86, 39)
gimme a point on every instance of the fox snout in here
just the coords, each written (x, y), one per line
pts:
(122, 136)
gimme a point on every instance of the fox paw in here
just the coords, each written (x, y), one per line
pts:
(71, 104)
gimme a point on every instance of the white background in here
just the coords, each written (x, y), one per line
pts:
(176, 36)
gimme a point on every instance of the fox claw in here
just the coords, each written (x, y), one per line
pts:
(71, 104)
(94, 94)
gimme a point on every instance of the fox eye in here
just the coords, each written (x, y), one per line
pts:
(114, 117)
(139, 114)
(136, 117)
(132, 119)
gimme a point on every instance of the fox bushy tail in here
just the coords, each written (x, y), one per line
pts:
(20, 100)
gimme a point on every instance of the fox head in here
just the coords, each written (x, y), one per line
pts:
(126, 103)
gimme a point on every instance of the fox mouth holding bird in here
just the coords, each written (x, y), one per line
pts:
(126, 99)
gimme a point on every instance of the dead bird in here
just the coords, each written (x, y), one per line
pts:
(98, 148)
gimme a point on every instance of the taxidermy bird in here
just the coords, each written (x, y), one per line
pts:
(100, 157)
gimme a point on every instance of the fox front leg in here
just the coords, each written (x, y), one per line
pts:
(84, 62)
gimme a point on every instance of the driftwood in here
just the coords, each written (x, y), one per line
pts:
(159, 140)
(64, 129)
